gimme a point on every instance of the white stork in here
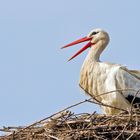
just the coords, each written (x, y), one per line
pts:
(98, 77)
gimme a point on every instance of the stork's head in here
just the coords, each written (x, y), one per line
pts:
(95, 36)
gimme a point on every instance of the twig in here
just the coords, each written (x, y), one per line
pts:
(121, 132)
(101, 103)
(130, 136)
(55, 138)
(133, 100)
(50, 116)
(127, 89)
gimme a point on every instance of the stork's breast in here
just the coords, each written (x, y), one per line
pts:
(98, 79)
(89, 80)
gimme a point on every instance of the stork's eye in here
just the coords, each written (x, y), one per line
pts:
(94, 33)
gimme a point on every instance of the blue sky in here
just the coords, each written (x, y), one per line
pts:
(35, 78)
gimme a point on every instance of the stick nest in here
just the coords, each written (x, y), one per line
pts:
(70, 126)
(66, 125)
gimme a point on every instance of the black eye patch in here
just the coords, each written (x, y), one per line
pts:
(94, 33)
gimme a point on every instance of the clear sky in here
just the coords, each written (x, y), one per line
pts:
(35, 78)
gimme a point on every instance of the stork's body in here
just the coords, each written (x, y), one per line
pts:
(98, 77)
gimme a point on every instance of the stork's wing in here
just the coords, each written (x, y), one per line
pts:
(128, 79)
(135, 73)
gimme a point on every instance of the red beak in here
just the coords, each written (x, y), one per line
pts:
(79, 41)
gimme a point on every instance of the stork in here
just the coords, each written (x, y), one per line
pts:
(97, 77)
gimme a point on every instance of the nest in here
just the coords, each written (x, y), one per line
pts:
(66, 125)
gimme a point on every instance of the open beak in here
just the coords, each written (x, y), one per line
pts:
(79, 41)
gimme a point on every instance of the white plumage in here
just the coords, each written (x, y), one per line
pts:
(98, 77)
